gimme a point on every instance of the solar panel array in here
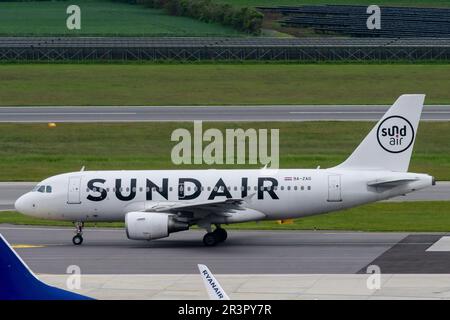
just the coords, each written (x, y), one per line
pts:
(396, 22)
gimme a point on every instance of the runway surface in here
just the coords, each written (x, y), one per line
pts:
(209, 113)
(49, 250)
(11, 191)
(250, 264)
(108, 251)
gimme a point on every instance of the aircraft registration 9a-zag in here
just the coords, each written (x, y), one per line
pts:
(155, 203)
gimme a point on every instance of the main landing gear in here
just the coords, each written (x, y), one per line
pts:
(212, 238)
(78, 238)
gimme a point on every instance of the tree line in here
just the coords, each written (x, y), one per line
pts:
(244, 19)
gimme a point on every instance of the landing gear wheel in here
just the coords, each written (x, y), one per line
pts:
(210, 239)
(77, 240)
(221, 234)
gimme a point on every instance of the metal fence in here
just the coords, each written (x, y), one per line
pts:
(222, 49)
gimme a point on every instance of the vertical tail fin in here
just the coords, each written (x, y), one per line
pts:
(18, 282)
(213, 286)
(390, 143)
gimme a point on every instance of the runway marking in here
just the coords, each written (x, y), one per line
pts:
(63, 113)
(206, 119)
(26, 246)
(195, 113)
(360, 112)
(442, 245)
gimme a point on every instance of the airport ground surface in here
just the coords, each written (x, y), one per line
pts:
(261, 287)
(250, 265)
(209, 113)
(107, 251)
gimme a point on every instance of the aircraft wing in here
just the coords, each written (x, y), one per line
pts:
(213, 287)
(218, 206)
(390, 182)
(226, 210)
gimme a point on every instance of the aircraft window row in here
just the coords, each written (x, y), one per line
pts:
(134, 189)
(42, 189)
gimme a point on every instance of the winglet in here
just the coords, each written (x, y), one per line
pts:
(213, 287)
(18, 282)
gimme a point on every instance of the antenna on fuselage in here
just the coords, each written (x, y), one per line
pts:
(82, 169)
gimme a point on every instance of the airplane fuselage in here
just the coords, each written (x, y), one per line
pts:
(277, 194)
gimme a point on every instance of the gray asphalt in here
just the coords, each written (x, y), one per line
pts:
(107, 251)
(205, 113)
(11, 191)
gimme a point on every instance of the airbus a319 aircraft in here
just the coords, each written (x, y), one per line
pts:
(155, 203)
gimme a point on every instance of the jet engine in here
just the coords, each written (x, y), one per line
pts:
(151, 225)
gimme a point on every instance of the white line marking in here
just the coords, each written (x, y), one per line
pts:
(442, 245)
(220, 106)
(63, 113)
(361, 112)
(208, 120)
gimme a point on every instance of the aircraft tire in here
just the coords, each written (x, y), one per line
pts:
(221, 234)
(210, 239)
(77, 240)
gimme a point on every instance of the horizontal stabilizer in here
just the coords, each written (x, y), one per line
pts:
(390, 182)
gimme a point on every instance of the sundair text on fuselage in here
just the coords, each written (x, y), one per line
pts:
(98, 191)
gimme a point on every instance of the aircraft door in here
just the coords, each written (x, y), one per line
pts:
(334, 188)
(74, 190)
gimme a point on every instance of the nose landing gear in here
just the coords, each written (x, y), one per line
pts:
(78, 238)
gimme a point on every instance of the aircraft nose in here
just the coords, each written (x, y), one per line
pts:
(21, 204)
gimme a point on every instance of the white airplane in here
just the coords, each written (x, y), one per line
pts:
(155, 203)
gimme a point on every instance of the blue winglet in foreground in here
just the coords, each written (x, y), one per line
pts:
(18, 282)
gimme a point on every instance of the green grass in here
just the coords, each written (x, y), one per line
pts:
(407, 3)
(100, 17)
(32, 152)
(403, 216)
(215, 84)
(391, 216)
(13, 217)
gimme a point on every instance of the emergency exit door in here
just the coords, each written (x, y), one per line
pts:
(74, 189)
(334, 188)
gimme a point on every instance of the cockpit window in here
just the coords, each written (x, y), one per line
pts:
(39, 188)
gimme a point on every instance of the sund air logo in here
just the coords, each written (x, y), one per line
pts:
(395, 134)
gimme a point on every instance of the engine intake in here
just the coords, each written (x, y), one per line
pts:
(151, 225)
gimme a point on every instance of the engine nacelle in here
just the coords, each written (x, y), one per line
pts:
(151, 225)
